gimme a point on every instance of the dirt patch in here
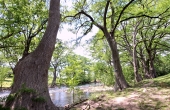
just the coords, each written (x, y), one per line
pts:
(97, 89)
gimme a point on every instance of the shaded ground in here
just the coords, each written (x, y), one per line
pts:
(148, 95)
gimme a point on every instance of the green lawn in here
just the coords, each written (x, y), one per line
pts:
(160, 81)
(8, 82)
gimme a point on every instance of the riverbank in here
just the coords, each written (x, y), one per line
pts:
(63, 96)
(153, 94)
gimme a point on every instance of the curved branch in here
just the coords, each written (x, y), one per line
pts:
(138, 16)
(105, 13)
(93, 22)
(87, 15)
(9, 35)
(144, 15)
(121, 13)
(39, 28)
(112, 16)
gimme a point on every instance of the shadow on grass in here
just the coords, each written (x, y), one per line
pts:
(7, 80)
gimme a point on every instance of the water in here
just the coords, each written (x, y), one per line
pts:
(61, 96)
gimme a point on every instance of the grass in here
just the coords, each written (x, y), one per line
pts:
(9, 80)
(150, 94)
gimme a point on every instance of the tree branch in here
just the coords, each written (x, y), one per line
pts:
(112, 16)
(105, 13)
(39, 28)
(144, 15)
(139, 17)
(93, 22)
(9, 35)
(87, 15)
(120, 15)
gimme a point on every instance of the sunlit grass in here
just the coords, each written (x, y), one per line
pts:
(146, 89)
(7, 82)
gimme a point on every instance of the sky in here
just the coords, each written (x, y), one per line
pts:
(66, 35)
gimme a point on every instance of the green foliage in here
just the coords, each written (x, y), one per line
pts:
(3, 74)
(4, 69)
(162, 64)
(11, 97)
(128, 73)
(147, 20)
(104, 73)
(4, 108)
(102, 66)
(26, 90)
(39, 99)
(77, 70)
(22, 25)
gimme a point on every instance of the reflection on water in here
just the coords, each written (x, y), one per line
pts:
(61, 96)
(64, 98)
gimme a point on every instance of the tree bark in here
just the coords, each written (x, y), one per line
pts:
(121, 83)
(138, 78)
(53, 84)
(30, 87)
(152, 70)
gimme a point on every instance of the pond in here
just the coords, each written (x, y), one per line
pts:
(62, 96)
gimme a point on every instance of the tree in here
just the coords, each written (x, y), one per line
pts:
(57, 60)
(21, 30)
(76, 70)
(102, 59)
(144, 31)
(99, 13)
(152, 38)
(5, 70)
(30, 87)
(130, 31)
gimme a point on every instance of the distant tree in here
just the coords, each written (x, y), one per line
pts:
(58, 60)
(102, 59)
(76, 70)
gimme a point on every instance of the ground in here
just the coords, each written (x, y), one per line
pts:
(153, 94)
(147, 95)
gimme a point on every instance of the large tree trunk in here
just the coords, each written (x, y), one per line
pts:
(30, 87)
(119, 77)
